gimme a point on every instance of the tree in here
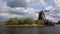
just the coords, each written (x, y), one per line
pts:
(36, 21)
(21, 21)
(2, 24)
(49, 23)
(40, 22)
(29, 21)
(58, 22)
(12, 21)
(46, 22)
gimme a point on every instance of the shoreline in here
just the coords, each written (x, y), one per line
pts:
(19, 25)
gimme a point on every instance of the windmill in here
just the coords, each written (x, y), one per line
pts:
(41, 15)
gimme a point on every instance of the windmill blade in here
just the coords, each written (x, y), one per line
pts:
(46, 10)
(37, 11)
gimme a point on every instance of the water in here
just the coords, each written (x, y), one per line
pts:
(31, 30)
(57, 28)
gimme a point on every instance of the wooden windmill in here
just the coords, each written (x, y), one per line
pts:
(41, 14)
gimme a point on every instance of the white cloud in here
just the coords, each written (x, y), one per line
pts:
(55, 10)
(37, 2)
(48, 8)
(57, 3)
(7, 12)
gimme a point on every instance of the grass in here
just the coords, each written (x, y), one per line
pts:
(21, 25)
(4, 24)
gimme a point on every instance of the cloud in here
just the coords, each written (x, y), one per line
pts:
(17, 3)
(6, 12)
(37, 2)
(6, 16)
(24, 3)
(17, 12)
(55, 9)
(56, 3)
(18, 8)
(48, 8)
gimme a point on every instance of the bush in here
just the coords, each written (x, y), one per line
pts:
(12, 21)
(58, 22)
(39, 22)
(49, 23)
(2, 24)
(29, 21)
(36, 21)
(21, 21)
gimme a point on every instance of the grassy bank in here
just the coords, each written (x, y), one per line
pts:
(20, 25)
(4, 24)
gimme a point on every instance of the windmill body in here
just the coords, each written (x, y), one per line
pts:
(41, 16)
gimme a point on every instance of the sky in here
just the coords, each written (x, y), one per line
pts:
(26, 8)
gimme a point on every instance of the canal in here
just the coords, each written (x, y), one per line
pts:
(31, 30)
